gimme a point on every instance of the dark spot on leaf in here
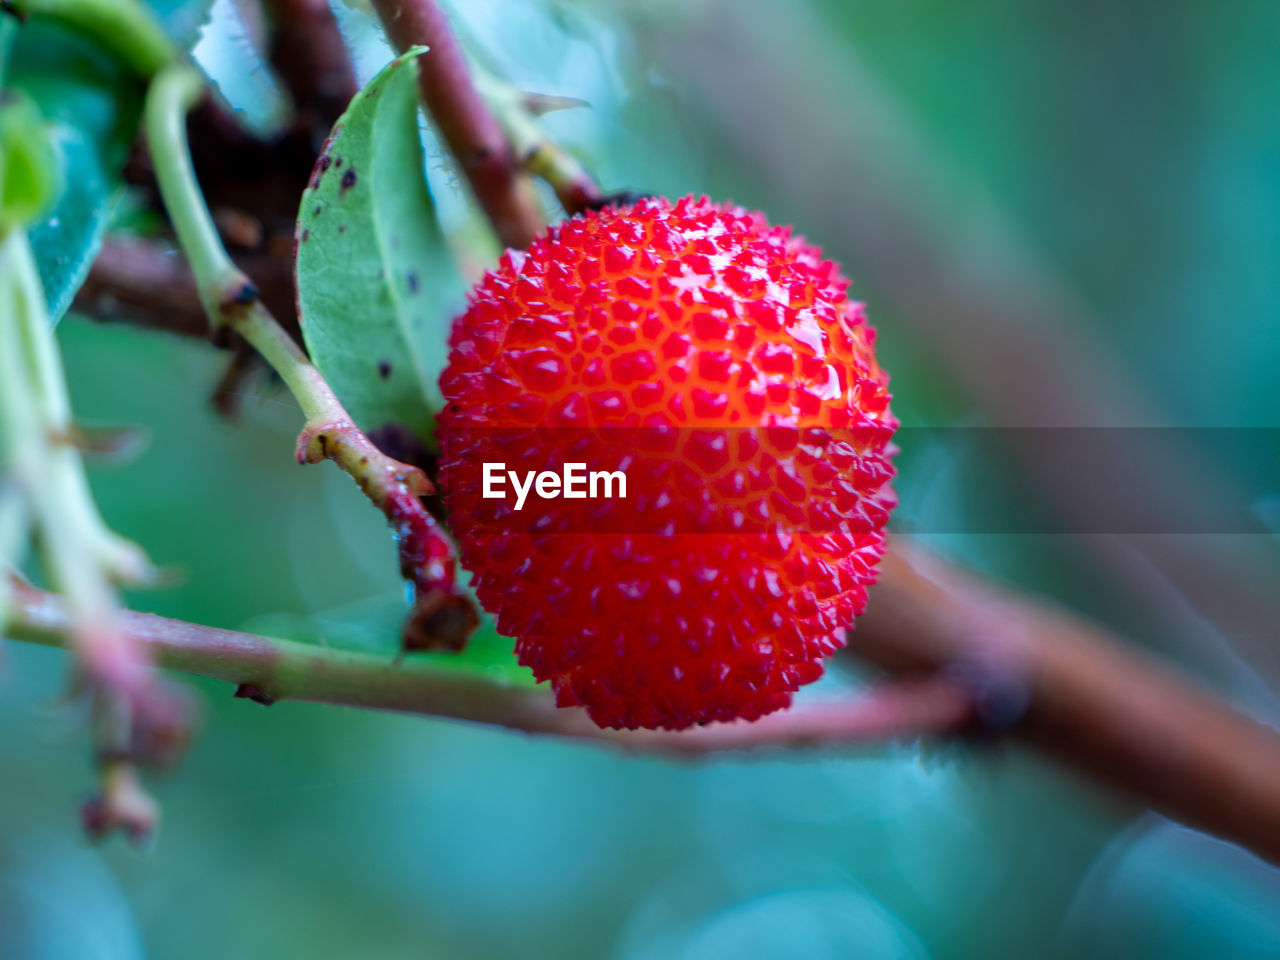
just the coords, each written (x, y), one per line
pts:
(306, 235)
(322, 164)
(337, 163)
(411, 281)
(384, 368)
(349, 179)
(316, 211)
(342, 228)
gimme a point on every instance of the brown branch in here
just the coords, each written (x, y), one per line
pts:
(467, 125)
(253, 184)
(145, 283)
(148, 283)
(310, 56)
(268, 670)
(1066, 688)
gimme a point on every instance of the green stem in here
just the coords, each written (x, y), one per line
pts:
(126, 27)
(123, 560)
(14, 526)
(47, 470)
(15, 440)
(231, 300)
(171, 94)
(228, 296)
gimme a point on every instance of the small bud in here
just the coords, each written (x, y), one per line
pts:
(440, 621)
(123, 805)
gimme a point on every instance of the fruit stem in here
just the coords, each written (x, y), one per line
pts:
(442, 614)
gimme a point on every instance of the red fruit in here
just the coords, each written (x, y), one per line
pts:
(718, 360)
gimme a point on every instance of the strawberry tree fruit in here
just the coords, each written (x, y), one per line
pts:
(666, 456)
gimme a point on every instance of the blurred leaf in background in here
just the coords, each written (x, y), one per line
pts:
(92, 104)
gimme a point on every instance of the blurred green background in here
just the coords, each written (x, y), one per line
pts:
(1019, 190)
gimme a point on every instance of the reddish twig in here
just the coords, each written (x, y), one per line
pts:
(464, 119)
(894, 710)
(443, 617)
(970, 658)
(268, 671)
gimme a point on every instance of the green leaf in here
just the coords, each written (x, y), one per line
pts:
(28, 166)
(373, 626)
(92, 103)
(373, 272)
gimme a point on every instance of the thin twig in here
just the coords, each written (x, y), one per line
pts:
(270, 670)
(517, 113)
(968, 657)
(464, 119)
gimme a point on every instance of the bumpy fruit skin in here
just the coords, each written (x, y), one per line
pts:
(699, 317)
